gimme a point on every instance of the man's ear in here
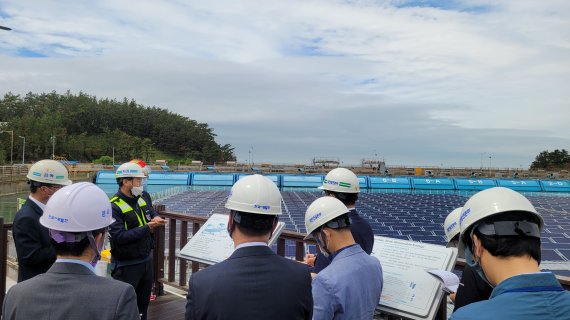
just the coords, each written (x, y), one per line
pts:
(327, 232)
(230, 224)
(477, 247)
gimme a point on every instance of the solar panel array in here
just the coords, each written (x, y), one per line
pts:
(408, 216)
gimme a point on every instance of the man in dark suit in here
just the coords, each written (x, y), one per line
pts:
(254, 282)
(33, 248)
(77, 217)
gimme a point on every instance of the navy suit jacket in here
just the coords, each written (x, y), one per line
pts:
(33, 245)
(253, 283)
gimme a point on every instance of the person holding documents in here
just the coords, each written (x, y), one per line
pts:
(343, 185)
(500, 231)
(254, 282)
(472, 288)
(351, 285)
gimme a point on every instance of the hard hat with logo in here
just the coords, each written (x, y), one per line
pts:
(341, 180)
(255, 194)
(451, 224)
(129, 170)
(79, 207)
(49, 171)
(495, 201)
(146, 168)
(322, 211)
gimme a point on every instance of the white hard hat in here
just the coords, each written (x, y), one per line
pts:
(79, 207)
(145, 168)
(255, 194)
(49, 171)
(321, 211)
(490, 202)
(129, 170)
(451, 224)
(341, 180)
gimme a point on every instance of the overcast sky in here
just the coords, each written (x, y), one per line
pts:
(414, 82)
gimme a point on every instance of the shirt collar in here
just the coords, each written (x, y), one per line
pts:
(251, 244)
(41, 205)
(334, 254)
(76, 261)
(539, 279)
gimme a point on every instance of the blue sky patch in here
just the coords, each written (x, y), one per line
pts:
(452, 5)
(27, 53)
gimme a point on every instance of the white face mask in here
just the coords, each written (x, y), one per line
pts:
(137, 191)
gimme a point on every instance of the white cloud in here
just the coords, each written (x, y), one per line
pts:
(297, 79)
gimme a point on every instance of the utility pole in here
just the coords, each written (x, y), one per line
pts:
(23, 149)
(53, 147)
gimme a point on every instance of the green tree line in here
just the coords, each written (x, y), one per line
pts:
(557, 159)
(86, 128)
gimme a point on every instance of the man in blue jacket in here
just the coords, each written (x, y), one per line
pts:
(33, 247)
(500, 230)
(131, 233)
(350, 287)
(343, 184)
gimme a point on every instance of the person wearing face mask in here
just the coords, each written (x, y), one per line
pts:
(77, 217)
(131, 233)
(146, 171)
(254, 282)
(351, 285)
(33, 247)
(343, 185)
(472, 288)
(500, 232)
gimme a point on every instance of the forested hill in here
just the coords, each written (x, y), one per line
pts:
(87, 128)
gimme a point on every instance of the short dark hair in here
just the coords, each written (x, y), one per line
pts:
(35, 185)
(120, 180)
(511, 246)
(74, 249)
(253, 225)
(343, 221)
(347, 198)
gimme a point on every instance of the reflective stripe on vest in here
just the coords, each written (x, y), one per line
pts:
(126, 208)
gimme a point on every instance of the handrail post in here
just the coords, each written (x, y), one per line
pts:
(172, 250)
(195, 265)
(183, 240)
(158, 256)
(3, 264)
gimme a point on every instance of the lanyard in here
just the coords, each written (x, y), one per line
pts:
(535, 289)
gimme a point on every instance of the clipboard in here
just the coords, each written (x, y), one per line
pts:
(212, 243)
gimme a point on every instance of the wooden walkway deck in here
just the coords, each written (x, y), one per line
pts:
(167, 307)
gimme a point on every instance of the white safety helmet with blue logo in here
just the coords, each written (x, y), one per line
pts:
(50, 172)
(255, 194)
(79, 207)
(341, 180)
(451, 224)
(130, 170)
(491, 202)
(321, 211)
